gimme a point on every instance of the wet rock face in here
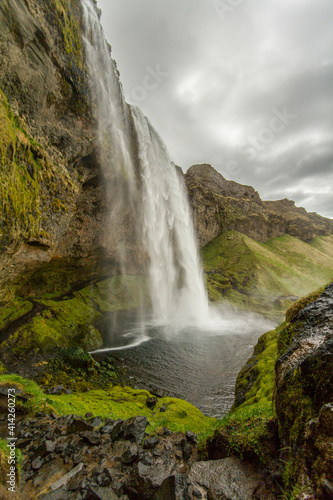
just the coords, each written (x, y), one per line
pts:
(59, 204)
(304, 395)
(221, 205)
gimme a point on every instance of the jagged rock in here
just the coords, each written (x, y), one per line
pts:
(151, 442)
(151, 402)
(191, 437)
(220, 205)
(79, 425)
(130, 455)
(99, 493)
(175, 486)
(66, 478)
(134, 429)
(230, 478)
(56, 390)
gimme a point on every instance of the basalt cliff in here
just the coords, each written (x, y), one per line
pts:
(220, 205)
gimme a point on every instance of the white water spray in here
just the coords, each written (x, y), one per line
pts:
(177, 290)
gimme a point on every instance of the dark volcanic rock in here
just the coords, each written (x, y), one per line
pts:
(304, 396)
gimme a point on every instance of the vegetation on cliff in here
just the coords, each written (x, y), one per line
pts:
(265, 277)
(282, 416)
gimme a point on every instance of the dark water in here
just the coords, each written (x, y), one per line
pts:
(196, 365)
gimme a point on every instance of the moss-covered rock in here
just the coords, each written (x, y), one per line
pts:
(304, 384)
(67, 320)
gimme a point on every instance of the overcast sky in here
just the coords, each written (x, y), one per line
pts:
(245, 85)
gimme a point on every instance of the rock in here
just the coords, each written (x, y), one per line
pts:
(88, 415)
(115, 429)
(56, 390)
(191, 437)
(173, 487)
(151, 442)
(95, 422)
(91, 437)
(37, 463)
(157, 392)
(304, 381)
(79, 425)
(66, 478)
(130, 455)
(134, 429)
(187, 451)
(163, 409)
(99, 493)
(230, 478)
(220, 205)
(151, 402)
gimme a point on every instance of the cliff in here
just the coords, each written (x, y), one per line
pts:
(282, 417)
(220, 205)
(53, 198)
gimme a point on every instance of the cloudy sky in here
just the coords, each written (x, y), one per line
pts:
(245, 85)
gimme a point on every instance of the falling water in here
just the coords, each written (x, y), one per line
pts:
(176, 284)
(177, 288)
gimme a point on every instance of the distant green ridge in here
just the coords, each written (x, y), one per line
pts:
(264, 276)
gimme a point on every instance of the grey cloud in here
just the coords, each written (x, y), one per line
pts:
(226, 77)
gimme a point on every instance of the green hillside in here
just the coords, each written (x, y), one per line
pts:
(265, 277)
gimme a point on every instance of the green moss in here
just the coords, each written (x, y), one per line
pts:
(28, 179)
(245, 433)
(13, 310)
(295, 408)
(5, 466)
(125, 402)
(117, 402)
(67, 16)
(72, 320)
(37, 399)
(303, 302)
(255, 382)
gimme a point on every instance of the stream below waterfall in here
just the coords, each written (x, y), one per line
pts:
(196, 365)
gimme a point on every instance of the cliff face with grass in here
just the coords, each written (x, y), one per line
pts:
(220, 205)
(53, 202)
(56, 239)
(282, 417)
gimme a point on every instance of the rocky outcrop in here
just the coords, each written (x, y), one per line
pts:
(70, 457)
(220, 205)
(304, 397)
(53, 198)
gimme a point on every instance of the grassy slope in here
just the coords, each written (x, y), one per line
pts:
(262, 276)
(116, 402)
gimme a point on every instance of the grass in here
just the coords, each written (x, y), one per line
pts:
(117, 402)
(256, 379)
(244, 432)
(262, 276)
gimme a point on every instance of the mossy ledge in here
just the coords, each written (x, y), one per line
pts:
(283, 412)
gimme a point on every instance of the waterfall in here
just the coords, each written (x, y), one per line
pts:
(177, 288)
(163, 214)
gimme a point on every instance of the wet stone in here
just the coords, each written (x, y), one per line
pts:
(151, 402)
(151, 442)
(130, 455)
